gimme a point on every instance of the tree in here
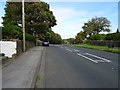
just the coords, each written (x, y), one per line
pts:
(113, 36)
(98, 37)
(80, 37)
(96, 25)
(38, 17)
(117, 31)
(11, 32)
(55, 38)
(71, 40)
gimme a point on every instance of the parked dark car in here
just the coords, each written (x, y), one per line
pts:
(45, 43)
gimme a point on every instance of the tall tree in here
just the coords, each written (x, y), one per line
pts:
(117, 31)
(55, 38)
(38, 17)
(96, 25)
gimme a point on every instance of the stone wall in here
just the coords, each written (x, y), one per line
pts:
(28, 45)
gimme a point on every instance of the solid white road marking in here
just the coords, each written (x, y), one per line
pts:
(98, 57)
(87, 58)
(100, 61)
(95, 61)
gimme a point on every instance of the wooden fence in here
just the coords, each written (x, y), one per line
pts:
(105, 43)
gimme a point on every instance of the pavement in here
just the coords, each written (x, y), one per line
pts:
(74, 67)
(21, 73)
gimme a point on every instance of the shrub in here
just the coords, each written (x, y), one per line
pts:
(117, 37)
(28, 37)
(113, 36)
(11, 32)
(86, 41)
(98, 37)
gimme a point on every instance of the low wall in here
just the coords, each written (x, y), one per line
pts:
(106, 43)
(13, 47)
(8, 48)
(20, 46)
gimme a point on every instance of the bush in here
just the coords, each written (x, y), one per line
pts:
(117, 37)
(98, 37)
(28, 37)
(113, 36)
(86, 41)
(11, 32)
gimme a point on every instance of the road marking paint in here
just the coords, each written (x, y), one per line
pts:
(76, 50)
(100, 60)
(98, 57)
(112, 68)
(69, 50)
(87, 58)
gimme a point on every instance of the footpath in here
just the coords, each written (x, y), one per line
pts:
(22, 72)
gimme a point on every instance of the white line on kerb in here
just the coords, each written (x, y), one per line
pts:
(87, 58)
(69, 50)
(98, 57)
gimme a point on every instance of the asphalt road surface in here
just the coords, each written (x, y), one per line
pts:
(73, 67)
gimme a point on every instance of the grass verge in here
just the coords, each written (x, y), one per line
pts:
(104, 48)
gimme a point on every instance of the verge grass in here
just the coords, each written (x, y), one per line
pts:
(105, 48)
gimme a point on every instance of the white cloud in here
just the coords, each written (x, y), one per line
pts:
(63, 13)
(68, 24)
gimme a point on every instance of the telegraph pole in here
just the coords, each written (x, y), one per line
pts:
(23, 25)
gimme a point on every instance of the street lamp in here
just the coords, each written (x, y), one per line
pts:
(23, 25)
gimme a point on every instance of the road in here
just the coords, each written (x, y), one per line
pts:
(60, 66)
(73, 67)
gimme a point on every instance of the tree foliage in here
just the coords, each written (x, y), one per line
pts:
(55, 38)
(98, 37)
(28, 37)
(79, 38)
(11, 32)
(118, 31)
(71, 40)
(113, 36)
(38, 19)
(96, 25)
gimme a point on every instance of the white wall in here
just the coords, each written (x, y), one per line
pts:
(8, 48)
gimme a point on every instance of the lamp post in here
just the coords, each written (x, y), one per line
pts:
(23, 25)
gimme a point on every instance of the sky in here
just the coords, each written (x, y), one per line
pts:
(71, 16)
